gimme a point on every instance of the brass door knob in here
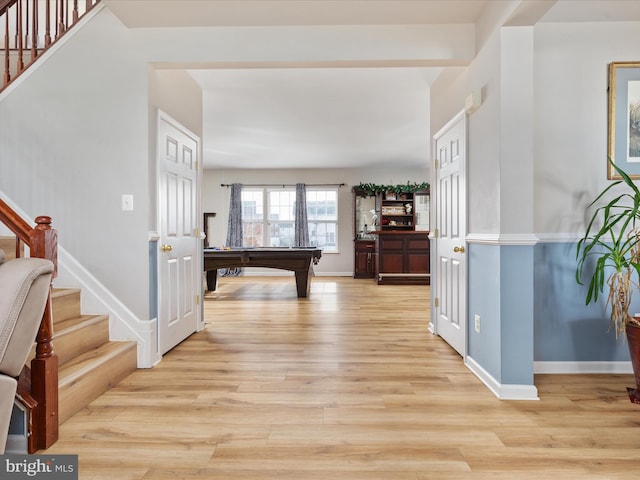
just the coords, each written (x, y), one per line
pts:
(458, 249)
(166, 248)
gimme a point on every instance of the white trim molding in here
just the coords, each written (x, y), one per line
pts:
(502, 239)
(521, 239)
(483, 238)
(559, 237)
(582, 367)
(502, 391)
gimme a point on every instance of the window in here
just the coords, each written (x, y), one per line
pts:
(322, 213)
(252, 217)
(282, 229)
(268, 217)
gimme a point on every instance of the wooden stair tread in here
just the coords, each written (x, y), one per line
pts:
(72, 336)
(76, 323)
(77, 335)
(93, 373)
(89, 363)
(66, 303)
(84, 363)
(57, 292)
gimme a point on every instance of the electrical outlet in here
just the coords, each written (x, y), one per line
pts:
(477, 323)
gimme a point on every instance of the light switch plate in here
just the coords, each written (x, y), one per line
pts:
(127, 202)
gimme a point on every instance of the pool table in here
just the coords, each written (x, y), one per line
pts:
(297, 259)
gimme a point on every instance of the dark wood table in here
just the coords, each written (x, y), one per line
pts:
(299, 260)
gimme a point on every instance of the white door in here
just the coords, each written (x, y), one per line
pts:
(179, 264)
(450, 304)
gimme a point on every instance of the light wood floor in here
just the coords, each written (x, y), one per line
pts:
(345, 385)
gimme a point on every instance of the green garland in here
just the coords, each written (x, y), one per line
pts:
(372, 188)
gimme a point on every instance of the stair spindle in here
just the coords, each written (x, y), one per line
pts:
(47, 28)
(34, 31)
(61, 21)
(26, 33)
(19, 36)
(7, 63)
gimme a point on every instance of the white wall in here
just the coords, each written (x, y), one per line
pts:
(175, 93)
(448, 93)
(83, 126)
(74, 138)
(216, 199)
(570, 121)
(571, 117)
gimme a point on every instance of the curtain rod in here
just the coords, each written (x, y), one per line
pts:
(286, 185)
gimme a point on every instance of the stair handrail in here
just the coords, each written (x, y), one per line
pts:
(31, 27)
(41, 383)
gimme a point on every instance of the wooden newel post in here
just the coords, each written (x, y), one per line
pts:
(44, 367)
(44, 242)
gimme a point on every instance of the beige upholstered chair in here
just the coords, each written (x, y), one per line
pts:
(24, 288)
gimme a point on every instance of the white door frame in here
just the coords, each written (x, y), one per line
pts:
(435, 268)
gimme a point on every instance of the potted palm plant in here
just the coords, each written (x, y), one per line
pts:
(610, 252)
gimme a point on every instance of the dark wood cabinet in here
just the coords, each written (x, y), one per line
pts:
(365, 264)
(364, 245)
(403, 258)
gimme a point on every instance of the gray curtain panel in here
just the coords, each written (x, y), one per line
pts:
(234, 227)
(302, 225)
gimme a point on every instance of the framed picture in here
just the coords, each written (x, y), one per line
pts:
(624, 119)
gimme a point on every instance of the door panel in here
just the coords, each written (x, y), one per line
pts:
(451, 279)
(180, 249)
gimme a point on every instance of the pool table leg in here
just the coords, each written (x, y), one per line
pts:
(303, 282)
(212, 280)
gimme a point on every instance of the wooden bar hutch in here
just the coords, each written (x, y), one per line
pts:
(391, 235)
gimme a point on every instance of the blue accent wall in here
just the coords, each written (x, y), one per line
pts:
(501, 292)
(532, 309)
(565, 329)
(153, 279)
(484, 300)
(516, 308)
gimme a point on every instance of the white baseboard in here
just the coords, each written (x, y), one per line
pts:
(582, 367)
(502, 391)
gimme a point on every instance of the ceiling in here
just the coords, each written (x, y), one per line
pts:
(328, 117)
(224, 13)
(316, 117)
